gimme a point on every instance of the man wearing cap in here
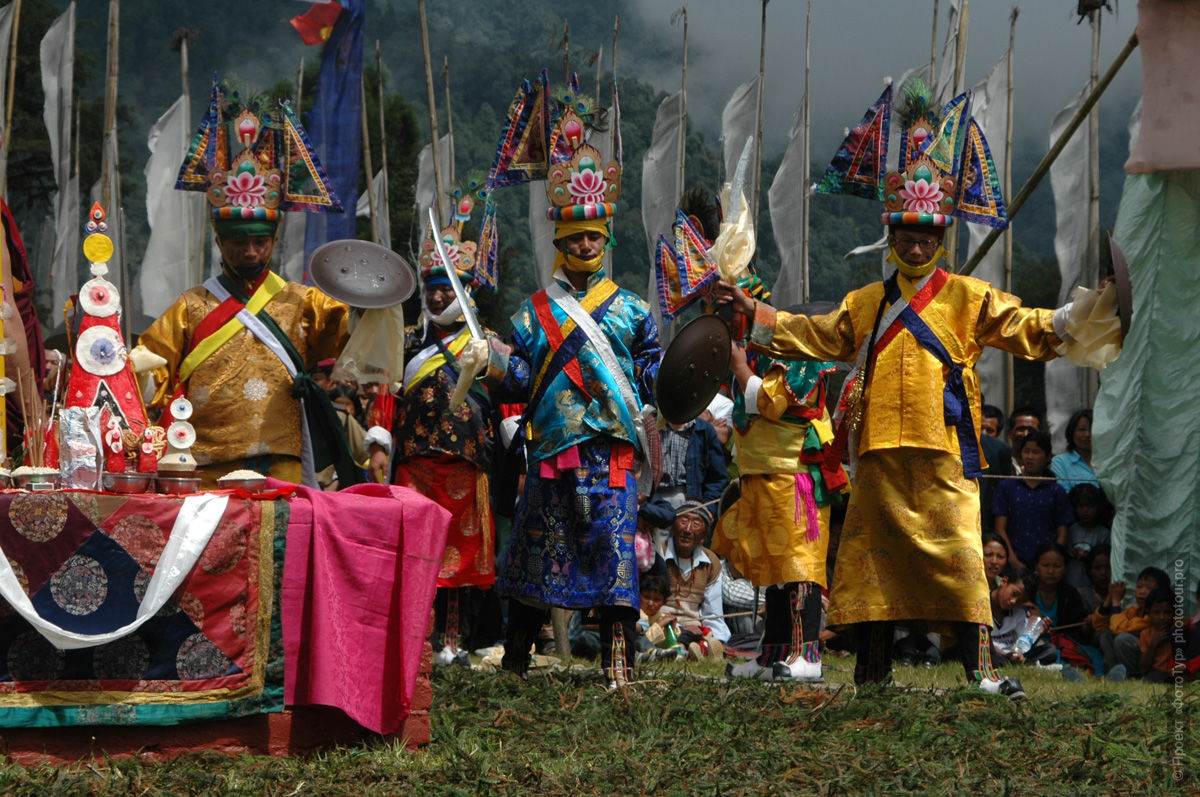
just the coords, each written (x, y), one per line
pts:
(695, 571)
(910, 548)
(444, 451)
(584, 357)
(240, 347)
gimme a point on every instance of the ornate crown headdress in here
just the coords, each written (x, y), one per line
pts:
(578, 183)
(254, 162)
(945, 166)
(463, 254)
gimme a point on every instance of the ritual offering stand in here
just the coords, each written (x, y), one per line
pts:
(140, 623)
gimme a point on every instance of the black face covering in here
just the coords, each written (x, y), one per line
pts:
(247, 274)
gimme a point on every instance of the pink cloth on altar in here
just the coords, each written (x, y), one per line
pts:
(359, 578)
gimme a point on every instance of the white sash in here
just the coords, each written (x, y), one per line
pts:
(194, 526)
(599, 341)
(414, 365)
(308, 469)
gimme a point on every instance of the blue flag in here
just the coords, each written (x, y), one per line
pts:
(335, 126)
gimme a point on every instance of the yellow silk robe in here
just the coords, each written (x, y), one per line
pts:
(242, 399)
(910, 546)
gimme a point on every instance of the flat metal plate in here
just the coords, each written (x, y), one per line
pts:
(362, 274)
(693, 369)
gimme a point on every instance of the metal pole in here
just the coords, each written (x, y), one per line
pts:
(433, 129)
(1042, 168)
(960, 54)
(8, 98)
(1009, 373)
(762, 80)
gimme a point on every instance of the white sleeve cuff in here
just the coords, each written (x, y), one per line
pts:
(380, 437)
(1060, 322)
(753, 385)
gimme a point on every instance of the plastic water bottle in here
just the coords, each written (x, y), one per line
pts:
(1034, 627)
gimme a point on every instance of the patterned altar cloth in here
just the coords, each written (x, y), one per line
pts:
(214, 649)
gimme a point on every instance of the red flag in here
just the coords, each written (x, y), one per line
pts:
(316, 25)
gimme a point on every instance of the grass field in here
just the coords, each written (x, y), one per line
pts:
(681, 729)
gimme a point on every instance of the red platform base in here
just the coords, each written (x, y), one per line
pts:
(296, 731)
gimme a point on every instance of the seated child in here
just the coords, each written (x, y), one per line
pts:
(1118, 630)
(652, 642)
(1099, 573)
(1089, 529)
(1157, 642)
(1009, 613)
(1060, 602)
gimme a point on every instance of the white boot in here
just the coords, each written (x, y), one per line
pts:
(750, 668)
(798, 670)
(445, 655)
(1009, 687)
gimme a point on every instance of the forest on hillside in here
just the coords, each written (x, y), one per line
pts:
(489, 50)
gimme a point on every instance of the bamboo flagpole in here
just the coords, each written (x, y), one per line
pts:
(762, 85)
(1043, 167)
(682, 12)
(933, 47)
(615, 126)
(1009, 373)
(804, 197)
(960, 55)
(449, 118)
(107, 194)
(433, 127)
(384, 212)
(1091, 266)
(8, 97)
(366, 143)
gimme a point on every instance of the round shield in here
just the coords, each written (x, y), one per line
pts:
(362, 274)
(729, 497)
(692, 369)
(1124, 286)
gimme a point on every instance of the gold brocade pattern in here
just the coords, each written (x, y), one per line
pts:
(903, 402)
(760, 535)
(910, 554)
(246, 407)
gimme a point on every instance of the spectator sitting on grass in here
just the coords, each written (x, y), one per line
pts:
(651, 642)
(1009, 613)
(695, 599)
(1156, 642)
(1099, 573)
(1118, 630)
(1090, 529)
(995, 557)
(1060, 602)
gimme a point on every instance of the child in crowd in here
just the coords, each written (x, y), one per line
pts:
(995, 557)
(1118, 630)
(1031, 509)
(1089, 529)
(1099, 573)
(1156, 643)
(1060, 602)
(1009, 613)
(651, 642)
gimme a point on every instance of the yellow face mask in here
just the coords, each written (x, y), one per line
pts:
(915, 272)
(565, 229)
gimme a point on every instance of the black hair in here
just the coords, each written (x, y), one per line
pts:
(1159, 595)
(652, 581)
(1022, 575)
(1042, 440)
(1090, 557)
(346, 391)
(991, 536)
(701, 203)
(1028, 409)
(1072, 423)
(1086, 493)
(1050, 546)
(992, 411)
(1160, 577)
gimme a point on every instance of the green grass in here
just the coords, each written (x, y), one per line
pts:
(680, 729)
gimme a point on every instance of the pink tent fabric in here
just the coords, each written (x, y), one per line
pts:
(358, 585)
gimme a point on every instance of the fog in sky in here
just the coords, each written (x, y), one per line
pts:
(855, 43)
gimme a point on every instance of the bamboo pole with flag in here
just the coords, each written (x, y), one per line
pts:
(57, 59)
(335, 126)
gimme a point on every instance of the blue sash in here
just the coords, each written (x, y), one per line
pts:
(956, 405)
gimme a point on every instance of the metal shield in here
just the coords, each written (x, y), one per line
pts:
(693, 369)
(362, 274)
